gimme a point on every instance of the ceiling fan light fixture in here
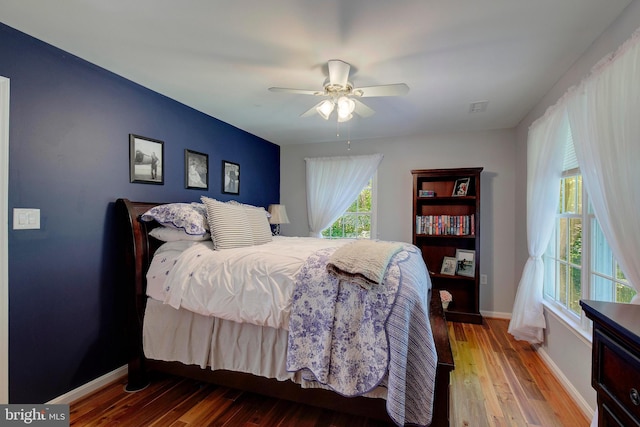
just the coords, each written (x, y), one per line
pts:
(325, 108)
(346, 106)
(342, 119)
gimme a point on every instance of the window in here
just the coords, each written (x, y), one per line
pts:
(356, 222)
(579, 263)
(607, 280)
(563, 258)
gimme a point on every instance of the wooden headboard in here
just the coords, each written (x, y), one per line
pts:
(136, 249)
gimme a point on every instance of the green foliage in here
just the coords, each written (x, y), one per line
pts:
(624, 293)
(356, 222)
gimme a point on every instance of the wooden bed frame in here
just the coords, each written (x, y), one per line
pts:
(137, 249)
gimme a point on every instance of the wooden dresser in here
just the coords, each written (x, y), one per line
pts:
(615, 371)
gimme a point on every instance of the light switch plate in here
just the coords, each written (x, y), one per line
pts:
(26, 219)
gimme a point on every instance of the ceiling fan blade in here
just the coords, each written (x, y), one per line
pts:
(397, 89)
(311, 111)
(362, 110)
(296, 91)
(338, 72)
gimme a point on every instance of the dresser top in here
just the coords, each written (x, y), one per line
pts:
(621, 318)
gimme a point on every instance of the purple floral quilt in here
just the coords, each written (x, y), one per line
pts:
(349, 338)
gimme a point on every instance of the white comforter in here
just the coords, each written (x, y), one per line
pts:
(248, 285)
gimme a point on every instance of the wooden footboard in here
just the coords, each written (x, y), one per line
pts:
(137, 250)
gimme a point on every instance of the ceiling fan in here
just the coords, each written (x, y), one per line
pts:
(342, 96)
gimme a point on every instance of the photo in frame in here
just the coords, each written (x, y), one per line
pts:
(461, 187)
(196, 170)
(146, 160)
(466, 262)
(230, 177)
(449, 264)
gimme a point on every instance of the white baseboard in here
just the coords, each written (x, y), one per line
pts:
(587, 410)
(495, 314)
(90, 387)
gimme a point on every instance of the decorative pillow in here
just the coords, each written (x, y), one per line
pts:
(167, 234)
(228, 223)
(260, 227)
(259, 222)
(190, 217)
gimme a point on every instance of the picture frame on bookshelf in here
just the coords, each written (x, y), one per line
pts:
(466, 262)
(461, 187)
(449, 266)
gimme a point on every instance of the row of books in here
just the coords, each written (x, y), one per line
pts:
(452, 225)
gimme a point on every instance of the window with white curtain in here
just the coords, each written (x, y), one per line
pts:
(585, 257)
(357, 222)
(579, 263)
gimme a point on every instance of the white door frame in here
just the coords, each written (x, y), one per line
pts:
(4, 238)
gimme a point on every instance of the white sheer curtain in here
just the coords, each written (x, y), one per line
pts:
(545, 156)
(333, 183)
(603, 114)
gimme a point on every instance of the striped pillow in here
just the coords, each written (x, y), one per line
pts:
(260, 228)
(229, 224)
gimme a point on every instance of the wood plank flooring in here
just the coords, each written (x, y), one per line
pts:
(497, 382)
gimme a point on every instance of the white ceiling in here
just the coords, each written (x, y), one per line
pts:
(220, 57)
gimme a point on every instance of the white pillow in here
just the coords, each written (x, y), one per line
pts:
(167, 234)
(228, 223)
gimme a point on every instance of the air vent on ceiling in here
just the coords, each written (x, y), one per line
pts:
(478, 106)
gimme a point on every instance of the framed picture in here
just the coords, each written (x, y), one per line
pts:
(146, 160)
(230, 177)
(461, 187)
(196, 170)
(449, 265)
(466, 262)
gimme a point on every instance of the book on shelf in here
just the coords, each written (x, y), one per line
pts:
(447, 225)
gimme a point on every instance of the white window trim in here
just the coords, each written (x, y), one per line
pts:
(570, 320)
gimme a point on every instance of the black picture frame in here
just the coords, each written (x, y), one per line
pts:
(146, 160)
(461, 187)
(196, 170)
(230, 177)
(466, 262)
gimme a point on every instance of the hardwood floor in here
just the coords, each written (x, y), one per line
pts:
(497, 382)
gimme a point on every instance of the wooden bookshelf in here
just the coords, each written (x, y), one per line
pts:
(445, 222)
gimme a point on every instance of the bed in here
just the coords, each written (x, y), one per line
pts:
(210, 362)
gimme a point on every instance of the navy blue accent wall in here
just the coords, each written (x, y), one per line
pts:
(69, 156)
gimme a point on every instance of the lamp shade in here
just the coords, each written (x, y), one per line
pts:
(325, 108)
(278, 214)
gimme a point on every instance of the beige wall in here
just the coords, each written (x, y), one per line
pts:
(493, 150)
(568, 351)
